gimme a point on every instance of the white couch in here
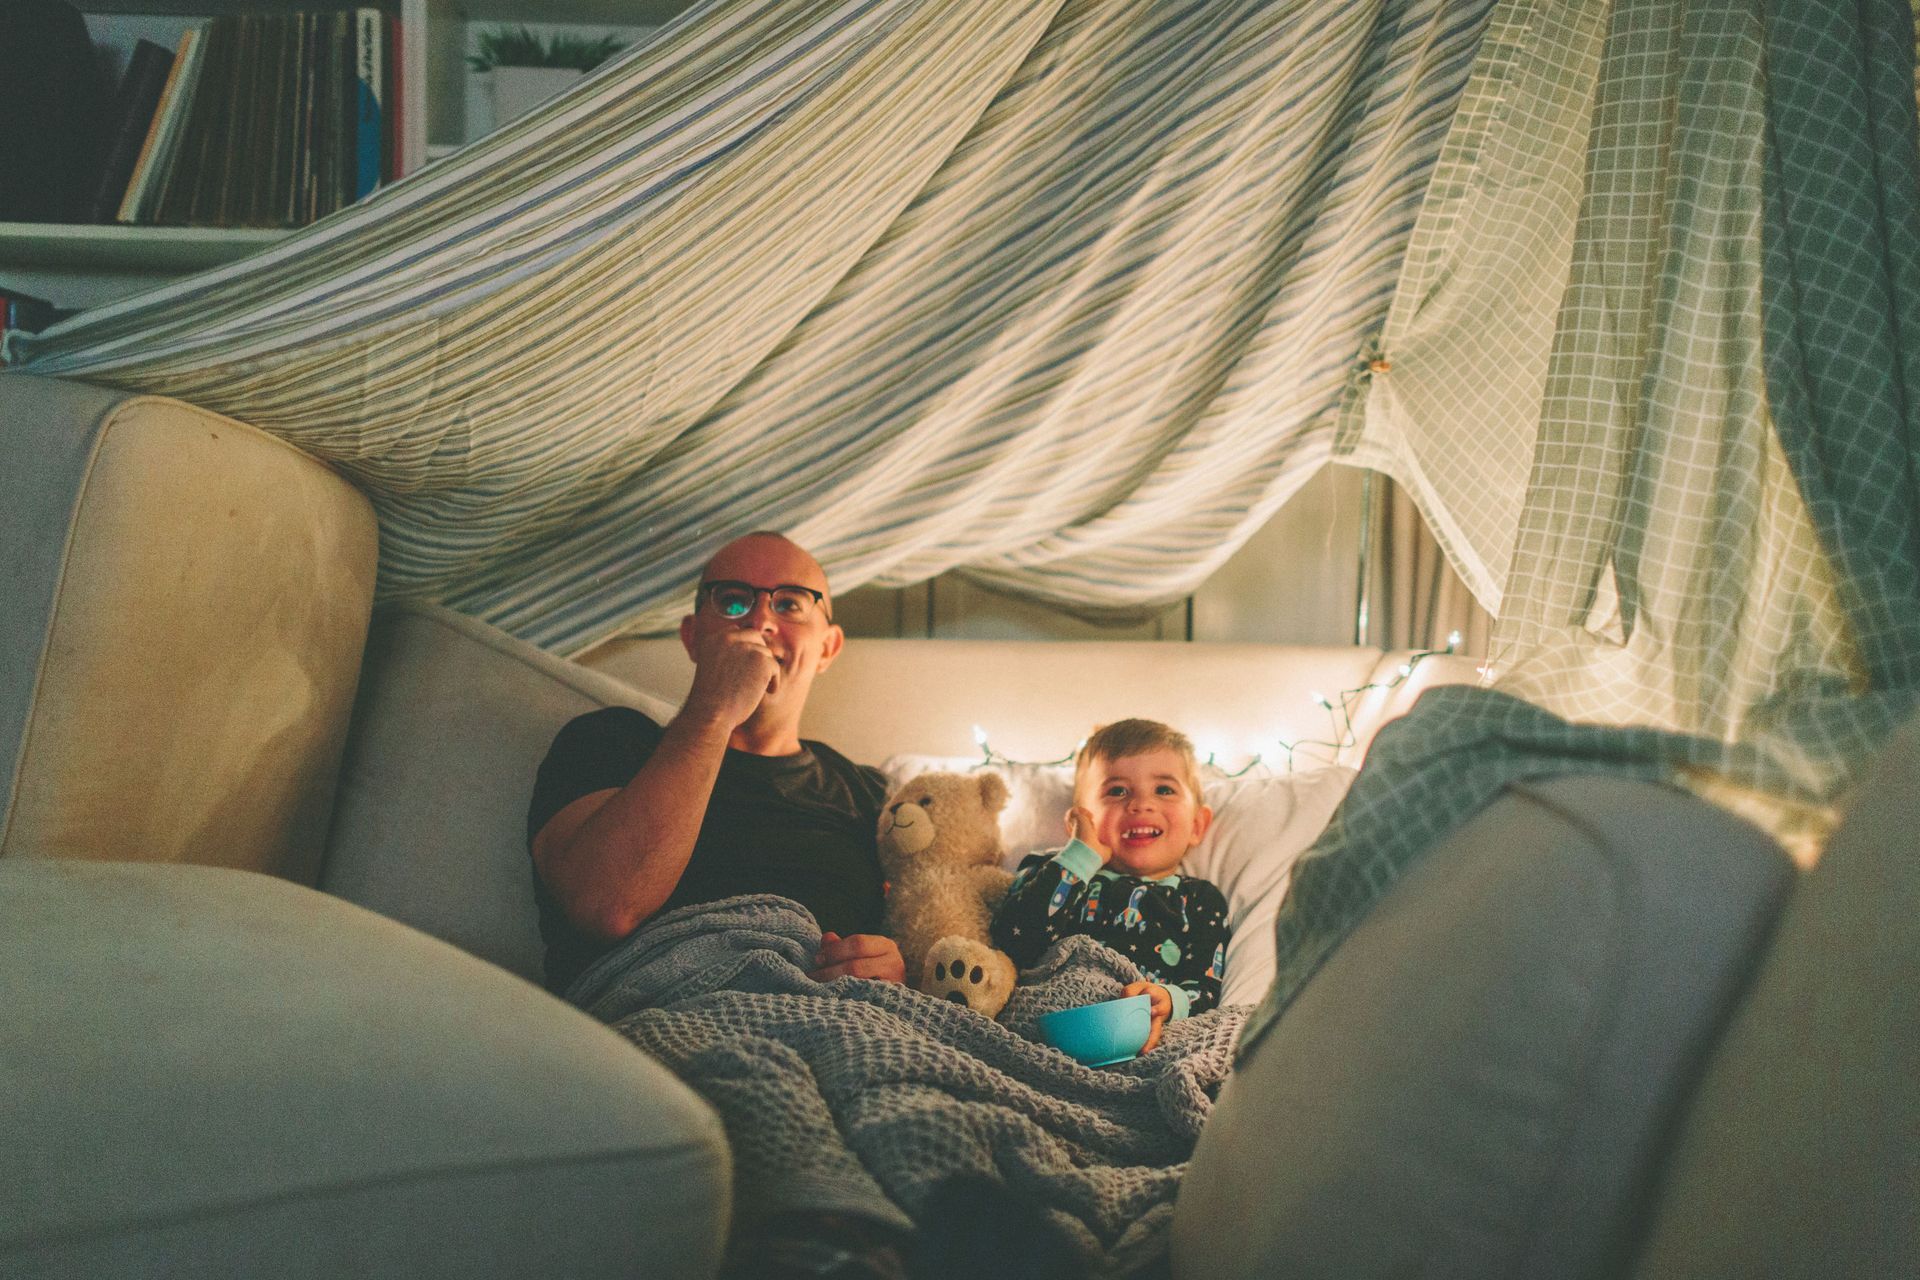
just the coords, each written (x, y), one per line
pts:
(267, 930)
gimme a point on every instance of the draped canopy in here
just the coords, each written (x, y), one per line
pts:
(1060, 291)
(1072, 294)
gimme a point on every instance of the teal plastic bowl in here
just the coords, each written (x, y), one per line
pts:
(1100, 1034)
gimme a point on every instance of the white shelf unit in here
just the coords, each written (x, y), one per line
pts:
(59, 246)
(75, 265)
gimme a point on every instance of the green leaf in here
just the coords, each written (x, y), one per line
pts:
(520, 47)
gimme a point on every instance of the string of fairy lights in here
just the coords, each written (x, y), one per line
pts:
(1339, 710)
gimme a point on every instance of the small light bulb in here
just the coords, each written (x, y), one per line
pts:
(1453, 641)
(979, 736)
(1320, 699)
(1406, 669)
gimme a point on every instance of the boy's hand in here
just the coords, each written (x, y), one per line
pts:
(1159, 1008)
(859, 955)
(1081, 827)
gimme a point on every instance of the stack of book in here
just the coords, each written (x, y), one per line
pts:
(256, 120)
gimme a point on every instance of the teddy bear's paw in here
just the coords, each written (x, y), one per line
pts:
(969, 973)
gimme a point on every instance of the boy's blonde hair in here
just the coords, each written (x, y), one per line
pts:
(1135, 737)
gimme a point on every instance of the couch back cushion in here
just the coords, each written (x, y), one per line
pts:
(1479, 1080)
(454, 716)
(183, 602)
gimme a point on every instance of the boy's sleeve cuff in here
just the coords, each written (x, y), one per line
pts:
(1180, 1000)
(1080, 860)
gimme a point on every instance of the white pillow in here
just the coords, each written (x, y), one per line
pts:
(1261, 825)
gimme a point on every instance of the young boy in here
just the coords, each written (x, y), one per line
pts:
(1136, 813)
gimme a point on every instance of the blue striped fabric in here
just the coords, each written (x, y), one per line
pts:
(1063, 294)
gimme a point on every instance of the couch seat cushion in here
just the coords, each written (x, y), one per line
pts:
(216, 1072)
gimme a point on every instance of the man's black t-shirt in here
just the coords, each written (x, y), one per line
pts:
(802, 826)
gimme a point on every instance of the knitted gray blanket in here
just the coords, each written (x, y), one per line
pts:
(861, 1097)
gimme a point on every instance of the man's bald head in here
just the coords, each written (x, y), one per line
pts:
(767, 558)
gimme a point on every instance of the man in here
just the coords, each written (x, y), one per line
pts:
(630, 818)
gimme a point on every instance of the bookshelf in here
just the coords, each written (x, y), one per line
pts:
(76, 265)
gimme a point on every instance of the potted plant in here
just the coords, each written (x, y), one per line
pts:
(523, 69)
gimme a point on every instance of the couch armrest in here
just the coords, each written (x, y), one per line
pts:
(1799, 1155)
(228, 1074)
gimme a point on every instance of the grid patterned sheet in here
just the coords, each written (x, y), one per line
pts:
(1751, 209)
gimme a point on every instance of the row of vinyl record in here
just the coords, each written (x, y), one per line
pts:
(255, 120)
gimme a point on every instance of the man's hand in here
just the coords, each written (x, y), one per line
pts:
(731, 674)
(859, 955)
(1159, 1008)
(1081, 827)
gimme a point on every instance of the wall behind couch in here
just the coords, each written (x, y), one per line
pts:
(1292, 583)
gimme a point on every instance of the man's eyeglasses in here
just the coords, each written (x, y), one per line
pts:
(789, 602)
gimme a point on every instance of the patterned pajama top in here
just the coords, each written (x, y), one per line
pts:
(1174, 928)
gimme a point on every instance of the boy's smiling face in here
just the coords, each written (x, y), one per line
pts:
(1144, 810)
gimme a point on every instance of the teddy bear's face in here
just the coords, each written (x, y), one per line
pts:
(907, 824)
(950, 819)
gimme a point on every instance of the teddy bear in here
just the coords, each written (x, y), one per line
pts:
(940, 853)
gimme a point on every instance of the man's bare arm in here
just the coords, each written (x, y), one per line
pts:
(613, 857)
